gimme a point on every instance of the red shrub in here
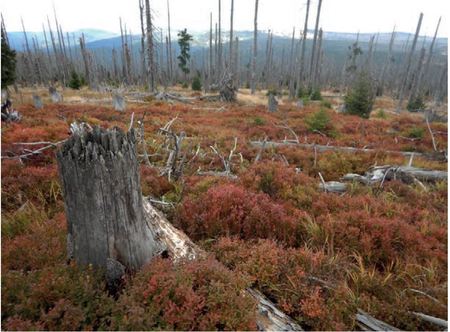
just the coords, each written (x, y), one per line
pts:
(152, 183)
(231, 210)
(43, 245)
(60, 297)
(280, 182)
(35, 184)
(197, 295)
(284, 276)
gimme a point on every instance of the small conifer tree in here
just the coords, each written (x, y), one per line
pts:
(8, 63)
(184, 42)
(318, 121)
(74, 82)
(196, 84)
(416, 104)
(359, 100)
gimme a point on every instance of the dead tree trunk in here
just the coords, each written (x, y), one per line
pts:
(142, 51)
(69, 47)
(386, 65)
(86, 61)
(255, 49)
(114, 61)
(219, 59)
(151, 63)
(317, 62)
(107, 228)
(48, 50)
(55, 51)
(230, 61)
(170, 45)
(408, 66)
(430, 52)
(236, 63)
(313, 51)
(368, 64)
(415, 84)
(29, 58)
(291, 77)
(61, 54)
(301, 75)
(124, 56)
(216, 55)
(210, 67)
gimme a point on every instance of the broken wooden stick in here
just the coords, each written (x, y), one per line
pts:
(369, 323)
(30, 153)
(321, 148)
(430, 319)
(380, 174)
(431, 133)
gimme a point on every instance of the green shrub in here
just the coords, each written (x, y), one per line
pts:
(305, 100)
(416, 104)
(359, 100)
(84, 83)
(185, 85)
(312, 94)
(196, 84)
(315, 95)
(258, 121)
(303, 92)
(75, 82)
(318, 121)
(272, 92)
(416, 132)
(325, 103)
(381, 114)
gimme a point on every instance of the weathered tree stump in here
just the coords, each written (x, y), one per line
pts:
(272, 103)
(8, 113)
(55, 95)
(119, 103)
(102, 193)
(227, 89)
(37, 102)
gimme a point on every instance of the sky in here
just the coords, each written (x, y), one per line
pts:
(279, 15)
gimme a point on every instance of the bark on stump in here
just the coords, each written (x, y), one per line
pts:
(103, 201)
(272, 103)
(227, 89)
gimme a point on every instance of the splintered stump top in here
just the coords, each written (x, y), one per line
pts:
(102, 194)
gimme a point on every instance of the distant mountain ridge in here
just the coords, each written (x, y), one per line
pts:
(17, 39)
(96, 38)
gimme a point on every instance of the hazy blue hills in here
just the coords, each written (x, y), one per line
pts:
(96, 39)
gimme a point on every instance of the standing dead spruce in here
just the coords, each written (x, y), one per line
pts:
(107, 226)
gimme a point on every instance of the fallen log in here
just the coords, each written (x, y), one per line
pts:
(430, 319)
(333, 187)
(379, 174)
(269, 317)
(369, 323)
(168, 96)
(432, 156)
(406, 174)
(179, 246)
(210, 98)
